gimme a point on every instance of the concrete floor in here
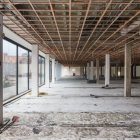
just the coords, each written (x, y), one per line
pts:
(69, 112)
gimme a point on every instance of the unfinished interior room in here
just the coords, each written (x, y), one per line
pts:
(69, 69)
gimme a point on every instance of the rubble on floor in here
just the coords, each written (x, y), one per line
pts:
(74, 125)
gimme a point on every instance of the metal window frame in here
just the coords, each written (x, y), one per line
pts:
(17, 56)
(39, 85)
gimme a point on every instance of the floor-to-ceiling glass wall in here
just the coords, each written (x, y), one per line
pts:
(50, 71)
(9, 69)
(41, 70)
(16, 69)
(30, 71)
(22, 70)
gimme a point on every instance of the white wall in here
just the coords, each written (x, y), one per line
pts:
(11, 35)
(68, 71)
(41, 53)
(58, 70)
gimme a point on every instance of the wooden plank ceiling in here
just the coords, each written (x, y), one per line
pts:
(76, 31)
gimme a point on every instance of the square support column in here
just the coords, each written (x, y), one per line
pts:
(97, 71)
(127, 72)
(56, 70)
(1, 70)
(91, 70)
(53, 70)
(59, 71)
(47, 70)
(107, 70)
(35, 78)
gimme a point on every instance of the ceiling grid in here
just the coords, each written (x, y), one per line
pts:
(76, 31)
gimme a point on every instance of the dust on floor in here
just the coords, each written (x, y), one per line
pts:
(75, 126)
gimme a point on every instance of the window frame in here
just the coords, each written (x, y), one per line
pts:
(17, 70)
(39, 85)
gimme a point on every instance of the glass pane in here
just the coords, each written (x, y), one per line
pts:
(9, 69)
(30, 72)
(41, 70)
(50, 71)
(22, 70)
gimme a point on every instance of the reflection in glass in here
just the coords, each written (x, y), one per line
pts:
(22, 70)
(41, 70)
(30, 72)
(9, 69)
(50, 71)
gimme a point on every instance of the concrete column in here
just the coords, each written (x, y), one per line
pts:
(1, 70)
(47, 70)
(53, 70)
(91, 70)
(57, 70)
(35, 80)
(88, 70)
(97, 71)
(127, 72)
(107, 70)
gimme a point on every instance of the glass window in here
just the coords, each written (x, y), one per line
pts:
(22, 70)
(50, 71)
(9, 69)
(16, 69)
(30, 72)
(41, 70)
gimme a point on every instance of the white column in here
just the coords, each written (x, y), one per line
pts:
(88, 70)
(59, 70)
(53, 70)
(97, 70)
(91, 70)
(35, 80)
(1, 70)
(56, 70)
(107, 70)
(47, 70)
(127, 72)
